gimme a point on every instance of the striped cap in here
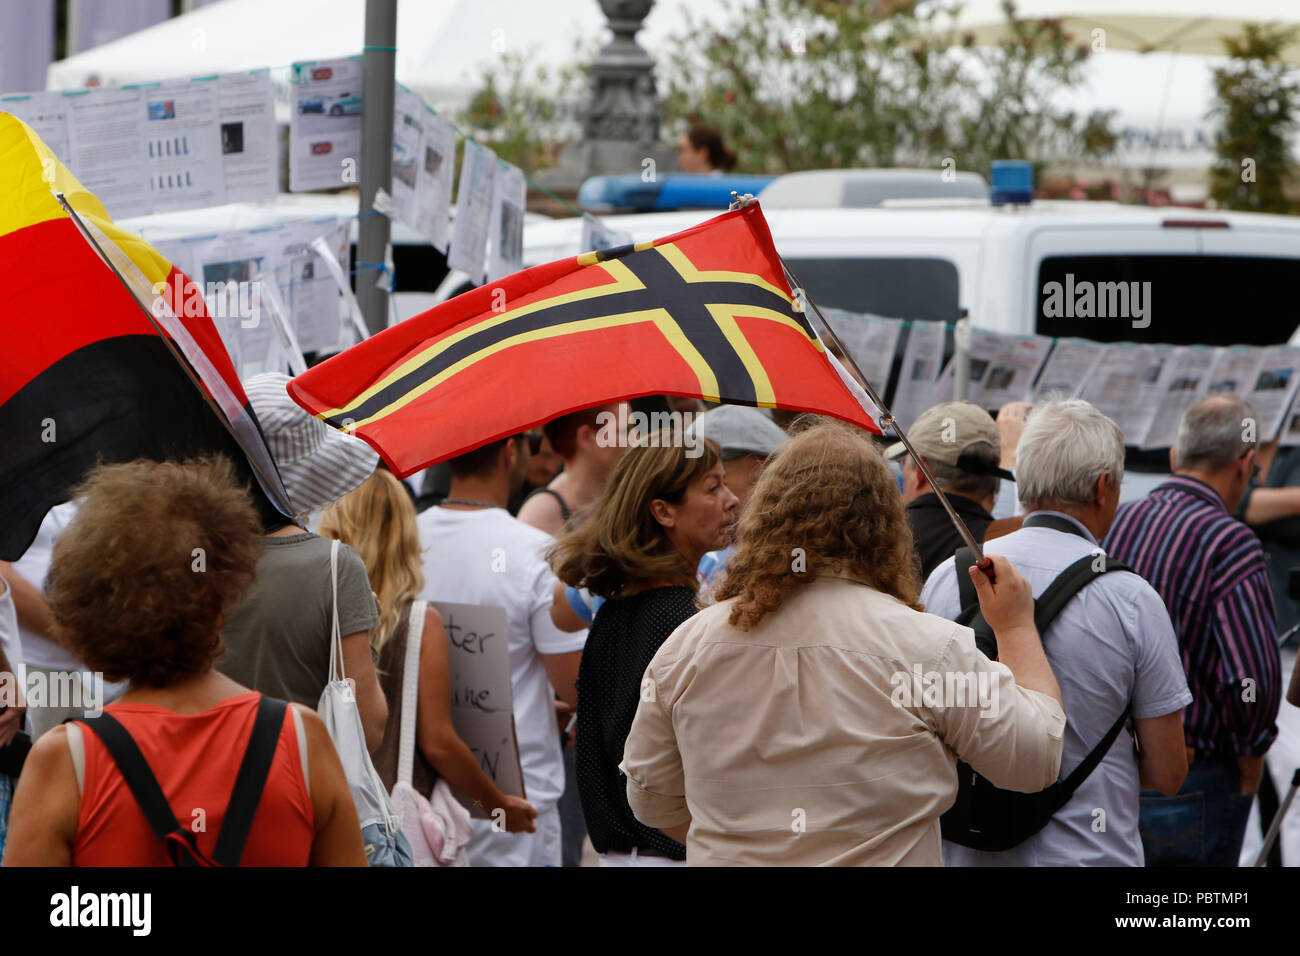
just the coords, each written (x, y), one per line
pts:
(317, 463)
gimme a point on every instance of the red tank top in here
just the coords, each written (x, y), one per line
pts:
(195, 758)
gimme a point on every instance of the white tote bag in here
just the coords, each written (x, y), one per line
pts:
(438, 826)
(380, 826)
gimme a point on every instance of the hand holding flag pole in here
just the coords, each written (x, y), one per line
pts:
(887, 419)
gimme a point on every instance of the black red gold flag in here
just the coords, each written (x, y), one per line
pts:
(85, 375)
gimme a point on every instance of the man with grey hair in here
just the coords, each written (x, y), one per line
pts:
(1211, 572)
(1112, 647)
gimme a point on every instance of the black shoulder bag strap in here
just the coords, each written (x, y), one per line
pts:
(182, 847)
(966, 593)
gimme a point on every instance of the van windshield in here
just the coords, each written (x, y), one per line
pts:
(897, 288)
(1176, 300)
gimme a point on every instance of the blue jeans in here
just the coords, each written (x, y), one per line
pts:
(1203, 825)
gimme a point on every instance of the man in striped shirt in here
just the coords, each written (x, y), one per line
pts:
(1210, 571)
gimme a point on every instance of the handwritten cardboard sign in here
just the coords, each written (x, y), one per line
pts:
(482, 703)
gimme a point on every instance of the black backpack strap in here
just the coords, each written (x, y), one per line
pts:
(1069, 583)
(253, 771)
(144, 787)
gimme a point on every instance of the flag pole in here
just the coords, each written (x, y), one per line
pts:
(887, 417)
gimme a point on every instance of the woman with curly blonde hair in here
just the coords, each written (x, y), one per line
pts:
(787, 724)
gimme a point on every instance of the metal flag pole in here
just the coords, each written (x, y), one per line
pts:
(887, 417)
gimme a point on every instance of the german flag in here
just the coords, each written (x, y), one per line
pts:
(85, 376)
(705, 313)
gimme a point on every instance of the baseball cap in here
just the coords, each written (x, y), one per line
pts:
(740, 430)
(946, 432)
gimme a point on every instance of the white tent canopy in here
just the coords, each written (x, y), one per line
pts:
(1160, 98)
(1187, 26)
(441, 44)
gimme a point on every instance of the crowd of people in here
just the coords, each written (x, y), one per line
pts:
(764, 646)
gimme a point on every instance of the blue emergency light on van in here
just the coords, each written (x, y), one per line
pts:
(1012, 182)
(666, 193)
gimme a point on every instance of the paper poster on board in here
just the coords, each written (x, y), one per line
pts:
(325, 124)
(183, 144)
(471, 228)
(916, 390)
(509, 199)
(871, 340)
(424, 157)
(250, 145)
(482, 700)
(106, 133)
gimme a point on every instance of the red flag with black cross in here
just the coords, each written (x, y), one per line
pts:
(706, 313)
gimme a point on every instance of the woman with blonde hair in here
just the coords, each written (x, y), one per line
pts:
(797, 722)
(662, 510)
(377, 520)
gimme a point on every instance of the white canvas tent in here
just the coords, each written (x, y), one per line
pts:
(1160, 97)
(1187, 26)
(441, 44)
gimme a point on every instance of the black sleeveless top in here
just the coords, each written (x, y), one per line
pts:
(565, 511)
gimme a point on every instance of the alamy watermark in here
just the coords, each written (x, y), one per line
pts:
(655, 429)
(917, 688)
(80, 690)
(1098, 300)
(222, 300)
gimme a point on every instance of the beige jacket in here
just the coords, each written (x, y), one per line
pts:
(828, 734)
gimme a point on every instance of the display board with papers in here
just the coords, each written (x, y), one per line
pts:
(871, 340)
(424, 160)
(234, 271)
(917, 386)
(1144, 388)
(161, 147)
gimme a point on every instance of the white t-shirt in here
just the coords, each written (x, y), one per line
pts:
(9, 642)
(41, 652)
(488, 558)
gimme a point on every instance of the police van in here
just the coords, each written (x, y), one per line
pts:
(1213, 278)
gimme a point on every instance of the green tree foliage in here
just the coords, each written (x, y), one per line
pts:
(523, 112)
(1256, 104)
(812, 84)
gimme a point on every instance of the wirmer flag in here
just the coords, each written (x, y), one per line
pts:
(706, 313)
(85, 375)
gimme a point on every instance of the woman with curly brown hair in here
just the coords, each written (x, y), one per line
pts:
(139, 585)
(663, 509)
(787, 725)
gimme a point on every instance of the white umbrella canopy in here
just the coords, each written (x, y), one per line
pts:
(1186, 26)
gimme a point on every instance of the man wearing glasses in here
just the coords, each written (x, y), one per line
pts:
(1210, 571)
